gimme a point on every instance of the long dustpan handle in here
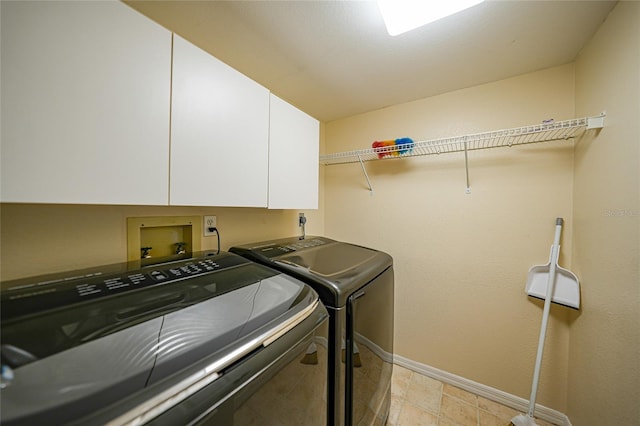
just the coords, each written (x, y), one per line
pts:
(545, 313)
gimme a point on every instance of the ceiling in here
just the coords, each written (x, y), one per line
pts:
(334, 59)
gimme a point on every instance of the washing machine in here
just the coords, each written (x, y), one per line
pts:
(356, 285)
(213, 339)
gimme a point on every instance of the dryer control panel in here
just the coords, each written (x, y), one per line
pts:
(281, 247)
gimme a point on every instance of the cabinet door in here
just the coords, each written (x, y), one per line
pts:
(85, 104)
(293, 157)
(219, 132)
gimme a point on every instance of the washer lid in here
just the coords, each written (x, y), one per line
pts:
(64, 361)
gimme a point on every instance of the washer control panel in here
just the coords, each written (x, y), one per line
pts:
(33, 295)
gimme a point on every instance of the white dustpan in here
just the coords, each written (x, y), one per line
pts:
(566, 290)
(553, 284)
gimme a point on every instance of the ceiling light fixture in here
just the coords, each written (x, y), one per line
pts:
(401, 16)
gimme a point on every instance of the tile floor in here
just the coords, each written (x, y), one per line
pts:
(417, 400)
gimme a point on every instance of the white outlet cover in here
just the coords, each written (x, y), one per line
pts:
(208, 222)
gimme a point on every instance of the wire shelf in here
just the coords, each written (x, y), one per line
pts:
(545, 132)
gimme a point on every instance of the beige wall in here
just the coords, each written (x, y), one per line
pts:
(37, 239)
(461, 259)
(604, 356)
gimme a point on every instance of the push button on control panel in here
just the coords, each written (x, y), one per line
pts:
(304, 244)
(192, 269)
(158, 275)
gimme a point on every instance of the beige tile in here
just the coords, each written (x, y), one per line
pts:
(401, 372)
(424, 392)
(424, 382)
(458, 411)
(498, 410)
(413, 415)
(460, 394)
(400, 379)
(420, 400)
(446, 422)
(488, 419)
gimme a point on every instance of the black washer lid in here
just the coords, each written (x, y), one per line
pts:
(334, 269)
(63, 360)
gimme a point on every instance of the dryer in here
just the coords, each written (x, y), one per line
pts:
(356, 285)
(213, 339)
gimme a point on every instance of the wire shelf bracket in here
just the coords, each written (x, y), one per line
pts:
(545, 132)
(366, 175)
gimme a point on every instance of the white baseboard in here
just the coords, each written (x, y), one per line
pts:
(496, 395)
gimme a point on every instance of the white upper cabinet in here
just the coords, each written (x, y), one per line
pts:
(293, 157)
(94, 111)
(85, 104)
(219, 133)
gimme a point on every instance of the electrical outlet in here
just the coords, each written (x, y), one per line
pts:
(208, 225)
